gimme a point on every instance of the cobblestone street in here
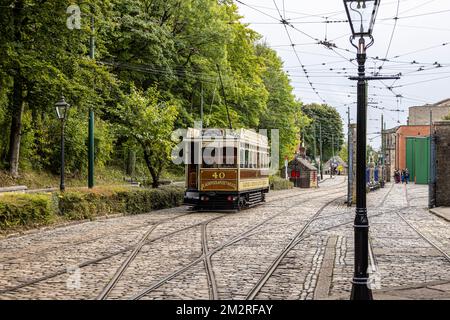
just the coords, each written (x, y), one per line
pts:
(298, 245)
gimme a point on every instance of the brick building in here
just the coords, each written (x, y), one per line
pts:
(402, 133)
(420, 115)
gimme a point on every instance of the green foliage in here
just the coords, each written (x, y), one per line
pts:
(155, 62)
(332, 129)
(30, 210)
(150, 122)
(25, 210)
(277, 183)
(76, 205)
(344, 153)
(283, 111)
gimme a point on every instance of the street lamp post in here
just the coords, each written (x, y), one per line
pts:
(361, 15)
(61, 110)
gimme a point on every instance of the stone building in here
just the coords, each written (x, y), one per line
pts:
(389, 139)
(442, 131)
(420, 115)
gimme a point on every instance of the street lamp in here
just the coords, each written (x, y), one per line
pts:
(61, 110)
(361, 15)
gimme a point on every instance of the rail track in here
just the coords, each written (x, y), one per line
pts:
(269, 272)
(95, 238)
(418, 232)
(136, 250)
(299, 238)
(212, 252)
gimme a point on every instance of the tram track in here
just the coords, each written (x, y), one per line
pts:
(212, 252)
(269, 272)
(418, 232)
(213, 292)
(119, 273)
(103, 236)
(299, 238)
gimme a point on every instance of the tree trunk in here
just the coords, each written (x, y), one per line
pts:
(17, 104)
(16, 126)
(153, 172)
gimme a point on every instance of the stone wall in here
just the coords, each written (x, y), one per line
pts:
(421, 115)
(442, 130)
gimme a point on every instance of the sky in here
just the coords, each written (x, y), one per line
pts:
(412, 35)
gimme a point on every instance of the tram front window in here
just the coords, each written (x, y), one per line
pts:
(219, 157)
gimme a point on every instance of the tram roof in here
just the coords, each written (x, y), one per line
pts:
(246, 135)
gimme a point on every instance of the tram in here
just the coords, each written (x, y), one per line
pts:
(225, 169)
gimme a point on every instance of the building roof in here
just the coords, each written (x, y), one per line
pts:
(338, 160)
(444, 104)
(304, 163)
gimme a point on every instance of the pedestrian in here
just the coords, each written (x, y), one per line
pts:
(397, 176)
(403, 176)
(406, 176)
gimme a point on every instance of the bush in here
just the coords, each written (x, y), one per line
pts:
(277, 183)
(25, 210)
(83, 204)
(79, 204)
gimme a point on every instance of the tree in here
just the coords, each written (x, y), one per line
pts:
(343, 154)
(40, 58)
(150, 121)
(332, 129)
(283, 112)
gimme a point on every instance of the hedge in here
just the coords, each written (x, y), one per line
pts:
(277, 183)
(25, 209)
(77, 204)
(82, 204)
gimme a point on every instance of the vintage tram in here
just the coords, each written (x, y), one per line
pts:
(225, 169)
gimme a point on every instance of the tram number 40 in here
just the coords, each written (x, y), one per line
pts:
(220, 175)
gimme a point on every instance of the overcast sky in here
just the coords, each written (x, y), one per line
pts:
(417, 50)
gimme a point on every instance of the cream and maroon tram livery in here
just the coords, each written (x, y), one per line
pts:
(226, 169)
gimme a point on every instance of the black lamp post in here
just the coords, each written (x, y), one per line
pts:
(61, 110)
(361, 15)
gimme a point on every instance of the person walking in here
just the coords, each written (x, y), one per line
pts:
(397, 176)
(406, 176)
(403, 176)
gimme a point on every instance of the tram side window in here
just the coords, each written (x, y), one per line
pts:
(229, 157)
(220, 158)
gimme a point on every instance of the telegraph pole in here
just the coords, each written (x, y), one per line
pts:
(91, 146)
(315, 143)
(383, 152)
(332, 159)
(321, 154)
(349, 162)
(201, 107)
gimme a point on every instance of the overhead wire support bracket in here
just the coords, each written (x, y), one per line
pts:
(369, 78)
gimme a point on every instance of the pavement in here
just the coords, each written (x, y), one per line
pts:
(431, 291)
(443, 212)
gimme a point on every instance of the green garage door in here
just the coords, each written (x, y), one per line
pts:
(418, 159)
